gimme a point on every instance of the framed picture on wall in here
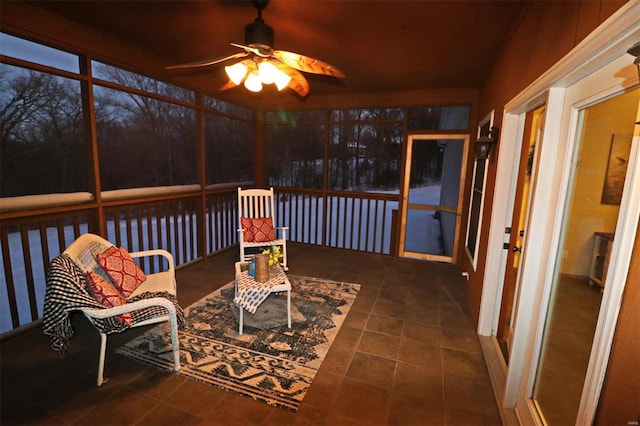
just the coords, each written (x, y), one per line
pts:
(616, 168)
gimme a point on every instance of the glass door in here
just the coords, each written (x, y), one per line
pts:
(431, 201)
(589, 227)
(534, 124)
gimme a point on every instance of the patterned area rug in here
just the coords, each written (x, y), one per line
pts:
(269, 362)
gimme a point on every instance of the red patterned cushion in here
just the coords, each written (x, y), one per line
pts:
(123, 271)
(247, 232)
(263, 229)
(106, 295)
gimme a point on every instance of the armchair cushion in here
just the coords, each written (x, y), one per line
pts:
(247, 231)
(263, 229)
(257, 230)
(107, 295)
(123, 271)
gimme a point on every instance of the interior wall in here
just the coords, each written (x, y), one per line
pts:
(547, 32)
(588, 214)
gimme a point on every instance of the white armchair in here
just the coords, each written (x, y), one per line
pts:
(145, 304)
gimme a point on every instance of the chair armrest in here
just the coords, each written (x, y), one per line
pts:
(241, 266)
(155, 252)
(283, 231)
(130, 307)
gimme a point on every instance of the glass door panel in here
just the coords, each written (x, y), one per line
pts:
(604, 137)
(534, 124)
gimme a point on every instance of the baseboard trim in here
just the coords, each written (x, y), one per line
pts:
(498, 375)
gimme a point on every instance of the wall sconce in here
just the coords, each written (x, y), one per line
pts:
(635, 51)
(484, 144)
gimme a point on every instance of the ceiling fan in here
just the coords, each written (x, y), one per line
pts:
(262, 64)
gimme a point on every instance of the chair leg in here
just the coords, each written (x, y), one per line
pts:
(103, 349)
(240, 329)
(175, 343)
(289, 308)
(284, 257)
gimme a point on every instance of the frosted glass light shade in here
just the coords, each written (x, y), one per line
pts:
(282, 80)
(236, 72)
(267, 72)
(253, 82)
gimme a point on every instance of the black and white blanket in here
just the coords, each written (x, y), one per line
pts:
(67, 292)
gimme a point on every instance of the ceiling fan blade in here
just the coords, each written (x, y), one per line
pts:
(230, 84)
(257, 49)
(307, 64)
(207, 62)
(298, 83)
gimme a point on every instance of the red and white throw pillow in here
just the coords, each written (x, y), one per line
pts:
(247, 231)
(123, 271)
(106, 295)
(263, 229)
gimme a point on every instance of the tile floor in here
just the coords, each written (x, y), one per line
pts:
(407, 354)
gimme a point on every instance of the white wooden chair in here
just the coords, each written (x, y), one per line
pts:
(83, 251)
(259, 204)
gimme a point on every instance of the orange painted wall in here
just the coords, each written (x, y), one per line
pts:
(547, 31)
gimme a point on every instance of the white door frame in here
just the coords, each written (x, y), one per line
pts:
(608, 42)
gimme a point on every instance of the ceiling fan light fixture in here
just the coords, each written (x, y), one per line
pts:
(236, 72)
(267, 72)
(253, 82)
(281, 80)
(261, 64)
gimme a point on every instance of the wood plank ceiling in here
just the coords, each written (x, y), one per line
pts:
(381, 46)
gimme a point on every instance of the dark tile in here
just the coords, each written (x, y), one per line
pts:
(422, 315)
(356, 319)
(347, 338)
(379, 344)
(407, 410)
(466, 364)
(196, 398)
(364, 303)
(389, 309)
(420, 353)
(394, 294)
(167, 415)
(239, 410)
(337, 360)
(323, 390)
(470, 394)
(417, 381)
(421, 332)
(372, 369)
(362, 402)
(456, 417)
(455, 318)
(459, 339)
(157, 383)
(118, 409)
(385, 325)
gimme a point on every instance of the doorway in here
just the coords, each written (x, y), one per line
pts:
(533, 127)
(573, 193)
(432, 197)
(598, 170)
